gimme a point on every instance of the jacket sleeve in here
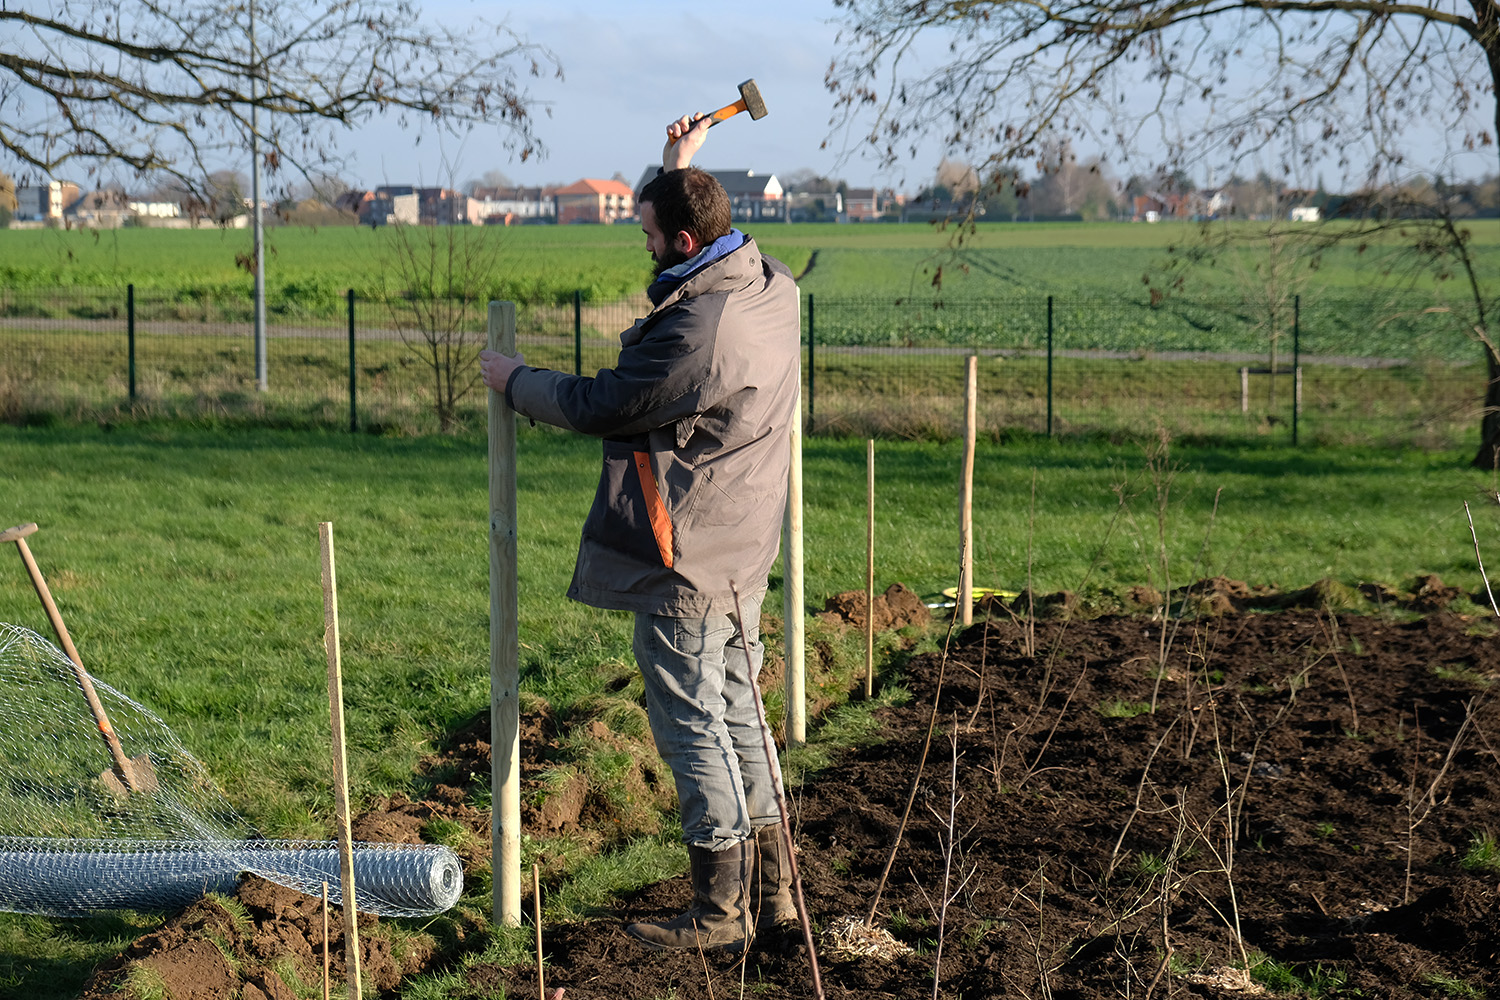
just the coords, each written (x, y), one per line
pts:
(665, 376)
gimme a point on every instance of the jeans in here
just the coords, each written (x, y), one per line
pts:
(701, 699)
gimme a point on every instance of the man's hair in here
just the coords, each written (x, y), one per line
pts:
(689, 201)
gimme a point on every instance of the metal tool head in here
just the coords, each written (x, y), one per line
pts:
(750, 94)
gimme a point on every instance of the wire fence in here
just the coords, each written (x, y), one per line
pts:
(1352, 369)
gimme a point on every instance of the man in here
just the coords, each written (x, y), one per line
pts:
(695, 418)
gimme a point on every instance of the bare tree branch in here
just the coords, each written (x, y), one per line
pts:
(168, 85)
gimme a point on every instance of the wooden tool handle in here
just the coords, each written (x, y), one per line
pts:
(122, 766)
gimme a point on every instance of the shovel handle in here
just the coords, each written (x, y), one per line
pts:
(122, 766)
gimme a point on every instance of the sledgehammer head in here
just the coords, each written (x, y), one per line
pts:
(750, 97)
(750, 100)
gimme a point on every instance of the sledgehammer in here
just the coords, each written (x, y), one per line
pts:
(750, 100)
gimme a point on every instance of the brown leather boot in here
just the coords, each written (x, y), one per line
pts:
(720, 916)
(773, 903)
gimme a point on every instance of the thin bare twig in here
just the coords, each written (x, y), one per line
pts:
(916, 779)
(788, 850)
(1482, 575)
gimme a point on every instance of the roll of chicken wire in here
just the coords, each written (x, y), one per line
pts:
(72, 878)
(73, 841)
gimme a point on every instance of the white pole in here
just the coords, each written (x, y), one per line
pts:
(262, 380)
(869, 567)
(340, 759)
(966, 497)
(792, 592)
(505, 668)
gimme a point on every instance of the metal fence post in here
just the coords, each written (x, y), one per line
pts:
(1049, 366)
(353, 411)
(1296, 364)
(577, 331)
(812, 369)
(130, 337)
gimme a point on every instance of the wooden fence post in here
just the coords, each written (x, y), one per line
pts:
(505, 668)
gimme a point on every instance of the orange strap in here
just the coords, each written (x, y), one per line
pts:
(661, 524)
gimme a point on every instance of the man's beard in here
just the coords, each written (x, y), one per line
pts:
(670, 259)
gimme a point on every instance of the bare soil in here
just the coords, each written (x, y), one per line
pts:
(1122, 806)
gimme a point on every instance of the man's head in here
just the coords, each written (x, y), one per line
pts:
(682, 211)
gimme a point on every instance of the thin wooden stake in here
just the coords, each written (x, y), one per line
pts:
(793, 598)
(869, 567)
(340, 761)
(966, 497)
(788, 850)
(536, 918)
(505, 651)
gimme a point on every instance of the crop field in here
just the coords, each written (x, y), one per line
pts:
(308, 268)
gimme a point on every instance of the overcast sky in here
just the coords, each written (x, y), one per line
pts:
(631, 66)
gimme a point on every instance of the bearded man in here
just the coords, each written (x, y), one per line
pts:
(695, 419)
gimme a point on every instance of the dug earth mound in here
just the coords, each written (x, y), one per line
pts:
(1140, 804)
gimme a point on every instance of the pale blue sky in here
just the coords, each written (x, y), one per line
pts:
(630, 66)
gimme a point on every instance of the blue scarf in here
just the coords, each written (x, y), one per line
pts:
(678, 273)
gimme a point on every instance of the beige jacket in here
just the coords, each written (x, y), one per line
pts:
(695, 418)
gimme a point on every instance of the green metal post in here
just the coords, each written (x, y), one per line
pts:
(1049, 366)
(353, 410)
(130, 336)
(812, 369)
(1296, 364)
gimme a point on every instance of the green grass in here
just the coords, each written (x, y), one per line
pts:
(52, 958)
(308, 269)
(1483, 855)
(186, 565)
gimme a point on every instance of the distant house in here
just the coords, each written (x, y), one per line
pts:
(1155, 206)
(813, 206)
(510, 206)
(150, 210)
(44, 203)
(752, 196)
(864, 204)
(384, 206)
(100, 210)
(446, 207)
(592, 200)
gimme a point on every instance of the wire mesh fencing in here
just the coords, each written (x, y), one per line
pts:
(79, 833)
(1354, 369)
(1337, 370)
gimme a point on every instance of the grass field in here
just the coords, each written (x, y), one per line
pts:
(185, 563)
(307, 270)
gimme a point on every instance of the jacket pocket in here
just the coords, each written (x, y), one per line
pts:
(716, 506)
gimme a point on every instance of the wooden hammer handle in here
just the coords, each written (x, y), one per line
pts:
(123, 769)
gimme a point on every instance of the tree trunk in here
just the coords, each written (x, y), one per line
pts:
(1488, 17)
(1488, 457)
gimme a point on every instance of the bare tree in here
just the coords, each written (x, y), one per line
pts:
(1227, 83)
(168, 86)
(435, 282)
(493, 180)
